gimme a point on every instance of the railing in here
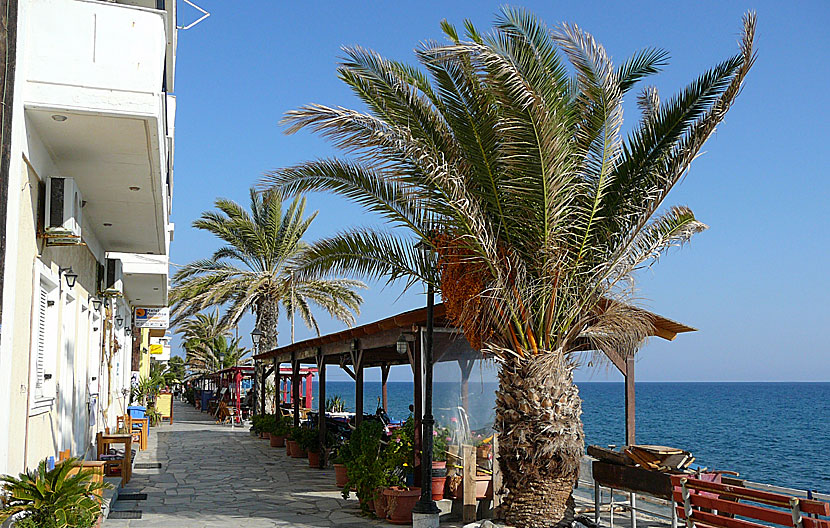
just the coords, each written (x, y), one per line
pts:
(657, 508)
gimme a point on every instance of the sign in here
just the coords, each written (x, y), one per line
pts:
(156, 349)
(152, 317)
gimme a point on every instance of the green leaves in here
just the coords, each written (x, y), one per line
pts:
(256, 270)
(507, 146)
(55, 494)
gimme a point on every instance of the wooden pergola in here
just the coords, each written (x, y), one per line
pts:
(375, 345)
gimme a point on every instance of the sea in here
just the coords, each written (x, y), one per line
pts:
(775, 433)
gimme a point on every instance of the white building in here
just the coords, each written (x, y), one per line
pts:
(90, 180)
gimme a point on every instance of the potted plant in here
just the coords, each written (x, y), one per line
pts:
(342, 457)
(52, 497)
(440, 443)
(279, 430)
(293, 443)
(398, 457)
(310, 442)
(366, 469)
(153, 416)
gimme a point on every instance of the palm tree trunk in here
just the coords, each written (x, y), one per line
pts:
(538, 416)
(267, 319)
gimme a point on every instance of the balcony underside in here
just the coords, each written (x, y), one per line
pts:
(115, 160)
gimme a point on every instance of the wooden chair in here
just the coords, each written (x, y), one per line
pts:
(718, 505)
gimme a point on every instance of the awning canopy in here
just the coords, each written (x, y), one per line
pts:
(378, 340)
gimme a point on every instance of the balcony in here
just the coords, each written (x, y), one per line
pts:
(96, 45)
(95, 103)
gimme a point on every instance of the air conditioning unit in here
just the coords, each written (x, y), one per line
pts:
(62, 222)
(113, 283)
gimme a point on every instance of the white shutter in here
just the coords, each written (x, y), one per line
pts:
(40, 344)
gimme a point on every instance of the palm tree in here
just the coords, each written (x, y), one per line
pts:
(510, 163)
(254, 270)
(199, 329)
(219, 353)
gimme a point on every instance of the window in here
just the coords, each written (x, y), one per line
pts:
(44, 331)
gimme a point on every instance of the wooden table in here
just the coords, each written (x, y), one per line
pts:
(105, 440)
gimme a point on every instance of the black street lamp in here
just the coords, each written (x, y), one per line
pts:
(96, 304)
(426, 509)
(259, 392)
(256, 337)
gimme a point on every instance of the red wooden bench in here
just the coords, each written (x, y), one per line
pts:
(719, 505)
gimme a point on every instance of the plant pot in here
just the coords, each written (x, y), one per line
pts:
(438, 487)
(295, 451)
(265, 436)
(483, 451)
(277, 441)
(484, 487)
(314, 459)
(439, 464)
(340, 477)
(290, 447)
(399, 504)
(380, 504)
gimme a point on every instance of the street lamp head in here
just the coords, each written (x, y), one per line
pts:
(256, 336)
(119, 320)
(96, 304)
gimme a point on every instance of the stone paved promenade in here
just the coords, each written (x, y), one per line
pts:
(212, 476)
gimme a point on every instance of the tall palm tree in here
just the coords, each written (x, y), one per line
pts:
(254, 270)
(507, 159)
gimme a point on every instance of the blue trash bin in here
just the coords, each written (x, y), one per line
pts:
(136, 411)
(207, 395)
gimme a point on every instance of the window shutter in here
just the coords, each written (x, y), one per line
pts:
(40, 360)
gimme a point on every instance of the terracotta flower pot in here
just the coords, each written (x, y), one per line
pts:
(314, 459)
(295, 451)
(277, 441)
(380, 504)
(340, 477)
(265, 436)
(399, 504)
(438, 487)
(484, 486)
(439, 464)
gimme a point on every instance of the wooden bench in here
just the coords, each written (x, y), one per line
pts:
(727, 505)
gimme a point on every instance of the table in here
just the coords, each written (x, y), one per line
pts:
(127, 463)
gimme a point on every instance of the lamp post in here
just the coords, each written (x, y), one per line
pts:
(425, 514)
(256, 337)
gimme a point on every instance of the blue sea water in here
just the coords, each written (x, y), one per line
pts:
(778, 433)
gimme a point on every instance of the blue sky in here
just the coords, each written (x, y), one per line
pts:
(755, 283)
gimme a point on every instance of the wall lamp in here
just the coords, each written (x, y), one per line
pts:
(119, 320)
(96, 304)
(70, 276)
